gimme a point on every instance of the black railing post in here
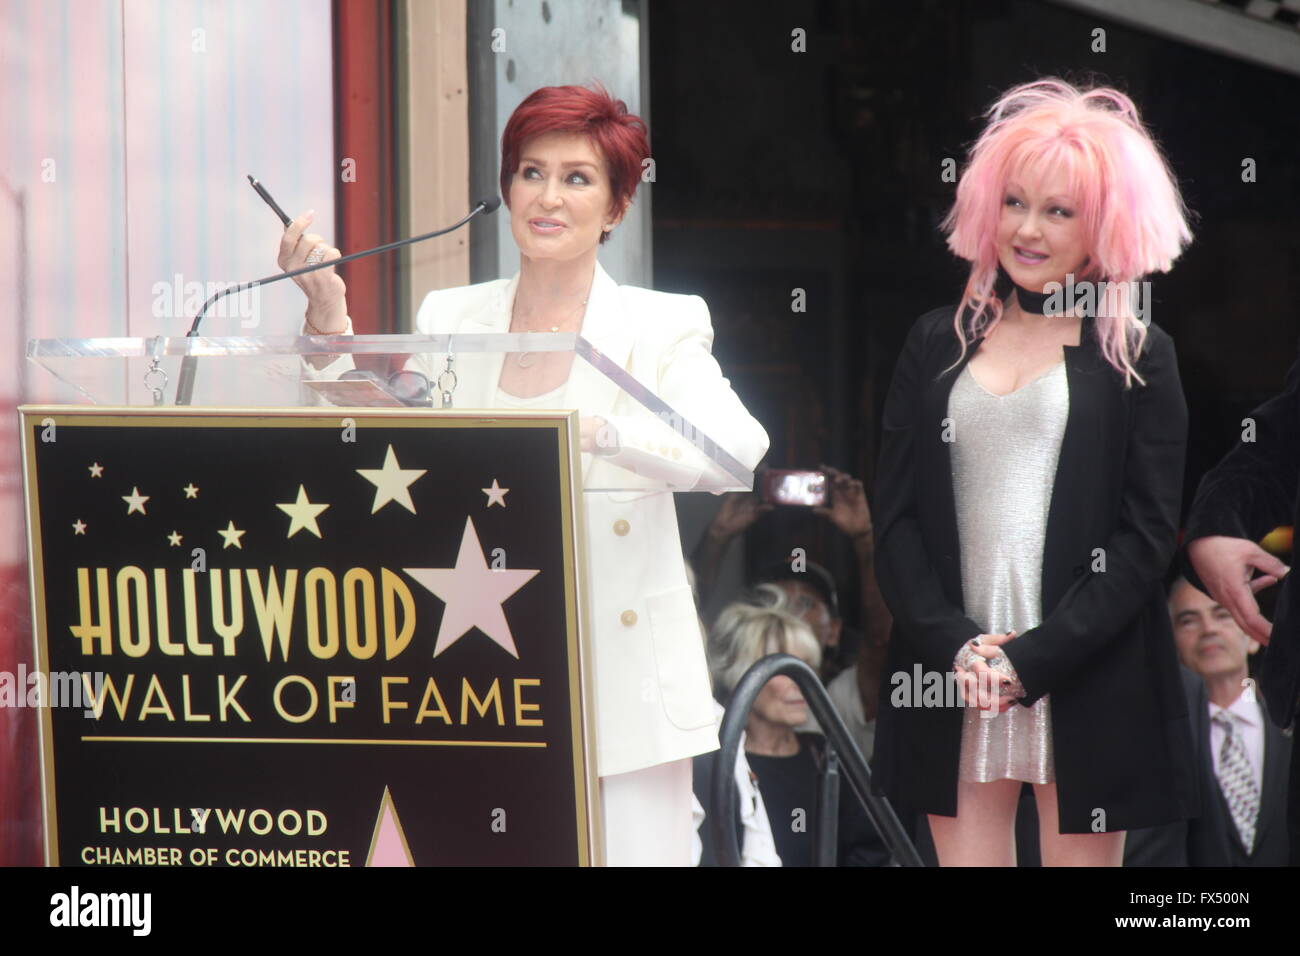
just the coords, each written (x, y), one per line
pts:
(827, 830)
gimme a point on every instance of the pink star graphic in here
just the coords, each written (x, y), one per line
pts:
(473, 593)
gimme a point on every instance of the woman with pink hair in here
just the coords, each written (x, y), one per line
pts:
(1028, 499)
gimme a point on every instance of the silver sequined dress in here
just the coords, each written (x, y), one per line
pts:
(1004, 457)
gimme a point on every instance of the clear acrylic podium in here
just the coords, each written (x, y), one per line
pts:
(644, 444)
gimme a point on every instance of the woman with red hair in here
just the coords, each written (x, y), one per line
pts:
(571, 160)
(1027, 499)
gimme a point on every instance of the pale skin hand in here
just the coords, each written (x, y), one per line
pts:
(1226, 567)
(980, 674)
(327, 305)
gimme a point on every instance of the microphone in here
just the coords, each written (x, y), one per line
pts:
(189, 364)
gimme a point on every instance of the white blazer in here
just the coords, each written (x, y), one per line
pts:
(653, 698)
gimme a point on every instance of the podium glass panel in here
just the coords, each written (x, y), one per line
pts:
(633, 440)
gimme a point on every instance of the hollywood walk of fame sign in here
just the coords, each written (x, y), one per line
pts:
(287, 638)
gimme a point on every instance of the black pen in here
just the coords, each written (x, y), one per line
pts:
(266, 198)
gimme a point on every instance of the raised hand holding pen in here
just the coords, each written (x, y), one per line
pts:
(327, 306)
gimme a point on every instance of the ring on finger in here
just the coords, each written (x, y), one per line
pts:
(315, 256)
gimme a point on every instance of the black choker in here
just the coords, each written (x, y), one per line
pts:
(1031, 303)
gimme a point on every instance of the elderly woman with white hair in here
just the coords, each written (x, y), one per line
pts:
(785, 762)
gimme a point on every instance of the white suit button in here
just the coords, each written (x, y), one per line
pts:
(621, 527)
(628, 618)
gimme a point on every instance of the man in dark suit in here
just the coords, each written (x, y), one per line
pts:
(1242, 760)
(1249, 493)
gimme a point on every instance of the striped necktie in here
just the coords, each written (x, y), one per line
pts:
(1237, 781)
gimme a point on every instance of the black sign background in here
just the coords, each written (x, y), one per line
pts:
(470, 804)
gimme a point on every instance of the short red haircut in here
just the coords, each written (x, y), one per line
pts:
(619, 136)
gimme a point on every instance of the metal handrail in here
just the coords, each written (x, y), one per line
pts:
(841, 752)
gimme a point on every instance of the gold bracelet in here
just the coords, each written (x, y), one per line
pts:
(312, 330)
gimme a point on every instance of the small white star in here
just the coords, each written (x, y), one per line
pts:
(135, 501)
(96, 470)
(175, 539)
(303, 513)
(392, 482)
(190, 491)
(79, 527)
(232, 536)
(496, 494)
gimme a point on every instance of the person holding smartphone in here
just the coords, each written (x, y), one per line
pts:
(571, 160)
(1027, 499)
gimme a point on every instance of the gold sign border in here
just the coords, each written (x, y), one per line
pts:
(582, 716)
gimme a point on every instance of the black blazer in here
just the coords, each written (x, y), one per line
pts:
(1212, 838)
(1104, 651)
(1248, 494)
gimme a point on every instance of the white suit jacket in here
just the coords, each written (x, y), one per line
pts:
(653, 699)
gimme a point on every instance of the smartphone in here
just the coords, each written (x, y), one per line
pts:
(805, 489)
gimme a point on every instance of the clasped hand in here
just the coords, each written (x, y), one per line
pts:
(978, 680)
